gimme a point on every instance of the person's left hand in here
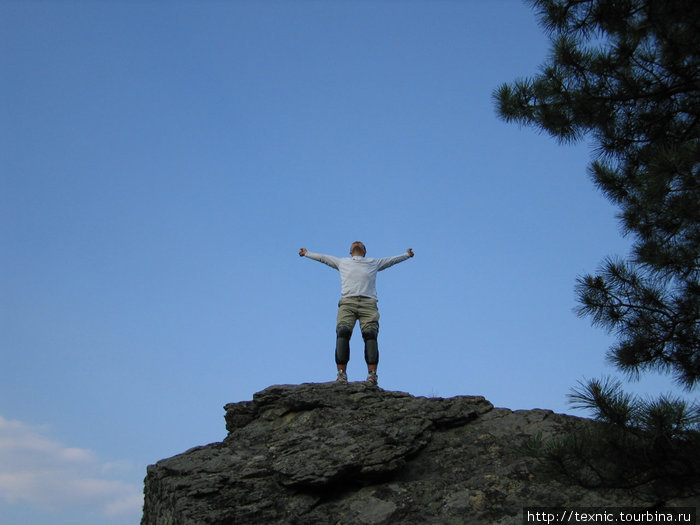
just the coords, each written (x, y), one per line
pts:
(410, 252)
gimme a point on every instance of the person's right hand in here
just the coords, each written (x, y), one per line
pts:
(302, 252)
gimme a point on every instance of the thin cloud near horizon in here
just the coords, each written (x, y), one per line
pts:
(43, 472)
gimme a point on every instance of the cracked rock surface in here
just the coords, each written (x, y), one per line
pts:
(329, 453)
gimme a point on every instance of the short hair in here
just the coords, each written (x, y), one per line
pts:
(361, 244)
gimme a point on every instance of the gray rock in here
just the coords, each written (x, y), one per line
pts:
(352, 454)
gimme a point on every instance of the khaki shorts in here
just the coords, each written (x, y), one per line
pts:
(364, 309)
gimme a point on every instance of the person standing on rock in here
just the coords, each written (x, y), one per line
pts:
(358, 278)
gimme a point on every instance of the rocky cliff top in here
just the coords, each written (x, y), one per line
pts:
(351, 453)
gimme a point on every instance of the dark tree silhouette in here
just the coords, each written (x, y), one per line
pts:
(626, 75)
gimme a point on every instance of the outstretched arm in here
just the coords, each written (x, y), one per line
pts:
(391, 261)
(325, 259)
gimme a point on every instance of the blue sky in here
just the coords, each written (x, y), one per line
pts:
(163, 162)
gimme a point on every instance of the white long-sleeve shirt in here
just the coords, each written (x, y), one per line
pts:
(358, 275)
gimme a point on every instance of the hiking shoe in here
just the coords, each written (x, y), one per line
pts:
(342, 376)
(372, 379)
